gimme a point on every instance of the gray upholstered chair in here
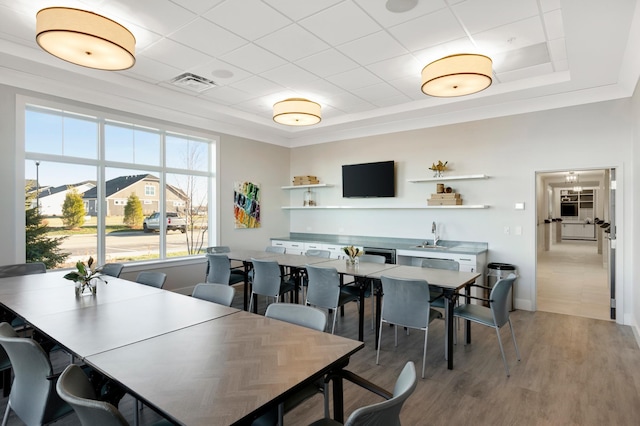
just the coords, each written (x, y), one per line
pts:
(217, 293)
(437, 298)
(236, 274)
(112, 269)
(495, 316)
(305, 316)
(371, 258)
(22, 269)
(152, 278)
(33, 395)
(324, 290)
(268, 280)
(406, 304)
(386, 412)
(74, 387)
(275, 249)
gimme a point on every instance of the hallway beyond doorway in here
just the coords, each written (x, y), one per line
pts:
(572, 280)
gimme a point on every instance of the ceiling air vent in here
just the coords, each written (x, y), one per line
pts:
(192, 82)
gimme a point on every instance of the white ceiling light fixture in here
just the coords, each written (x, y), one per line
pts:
(296, 112)
(85, 38)
(457, 75)
(571, 177)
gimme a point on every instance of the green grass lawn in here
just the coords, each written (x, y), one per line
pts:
(113, 225)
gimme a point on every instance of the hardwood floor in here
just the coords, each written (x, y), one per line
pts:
(572, 279)
(574, 371)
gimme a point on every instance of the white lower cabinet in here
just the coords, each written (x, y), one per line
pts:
(291, 247)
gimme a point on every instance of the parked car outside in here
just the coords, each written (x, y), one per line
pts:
(174, 223)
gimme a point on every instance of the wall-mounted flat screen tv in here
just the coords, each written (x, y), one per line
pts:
(369, 180)
(569, 209)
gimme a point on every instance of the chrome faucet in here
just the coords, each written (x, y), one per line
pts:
(434, 231)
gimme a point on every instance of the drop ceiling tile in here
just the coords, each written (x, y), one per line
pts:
(296, 9)
(221, 72)
(208, 38)
(409, 86)
(396, 68)
(354, 79)
(320, 89)
(340, 23)
(198, 6)
(227, 95)
(292, 43)
(482, 15)
(525, 73)
(373, 48)
(250, 19)
(553, 24)
(253, 59)
(289, 75)
(557, 49)
(378, 92)
(461, 45)
(548, 5)
(175, 54)
(511, 36)
(150, 70)
(328, 62)
(381, 14)
(159, 16)
(429, 30)
(392, 101)
(256, 107)
(257, 86)
(525, 57)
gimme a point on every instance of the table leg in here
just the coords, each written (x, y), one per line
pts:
(338, 399)
(246, 285)
(362, 286)
(378, 291)
(467, 323)
(448, 313)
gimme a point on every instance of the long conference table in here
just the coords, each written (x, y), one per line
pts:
(451, 282)
(196, 362)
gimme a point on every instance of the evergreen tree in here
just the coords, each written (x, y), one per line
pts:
(133, 216)
(73, 210)
(39, 247)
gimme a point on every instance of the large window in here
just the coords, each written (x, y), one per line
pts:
(105, 185)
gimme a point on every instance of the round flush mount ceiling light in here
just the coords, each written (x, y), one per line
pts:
(85, 38)
(296, 112)
(400, 6)
(457, 75)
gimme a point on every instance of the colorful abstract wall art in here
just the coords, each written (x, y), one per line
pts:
(246, 205)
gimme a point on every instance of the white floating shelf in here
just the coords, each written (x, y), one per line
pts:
(434, 179)
(468, 206)
(315, 185)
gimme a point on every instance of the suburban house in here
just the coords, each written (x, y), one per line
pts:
(51, 199)
(145, 186)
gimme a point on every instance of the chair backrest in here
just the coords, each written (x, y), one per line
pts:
(267, 277)
(318, 253)
(275, 249)
(372, 258)
(74, 387)
(305, 316)
(219, 268)
(219, 249)
(387, 412)
(324, 287)
(221, 294)
(448, 264)
(405, 302)
(112, 269)
(33, 397)
(152, 278)
(499, 299)
(22, 269)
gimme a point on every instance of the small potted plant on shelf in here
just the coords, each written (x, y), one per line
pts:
(352, 254)
(438, 169)
(86, 277)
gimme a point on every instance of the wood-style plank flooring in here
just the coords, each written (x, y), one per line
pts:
(574, 371)
(572, 279)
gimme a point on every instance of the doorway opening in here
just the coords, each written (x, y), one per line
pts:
(573, 254)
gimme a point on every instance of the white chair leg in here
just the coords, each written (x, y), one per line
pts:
(504, 358)
(424, 353)
(373, 307)
(395, 328)
(513, 337)
(379, 343)
(6, 414)
(335, 314)
(251, 302)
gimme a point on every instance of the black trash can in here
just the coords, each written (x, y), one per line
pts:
(497, 271)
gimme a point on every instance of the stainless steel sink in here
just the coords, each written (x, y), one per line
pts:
(431, 246)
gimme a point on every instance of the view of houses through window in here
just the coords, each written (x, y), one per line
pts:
(102, 187)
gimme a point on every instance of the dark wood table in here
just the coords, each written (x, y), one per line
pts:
(228, 370)
(361, 270)
(451, 283)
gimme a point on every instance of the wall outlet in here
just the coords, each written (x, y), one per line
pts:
(507, 231)
(518, 230)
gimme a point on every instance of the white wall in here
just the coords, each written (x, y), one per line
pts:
(633, 231)
(510, 150)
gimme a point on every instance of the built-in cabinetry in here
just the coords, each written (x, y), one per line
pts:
(577, 209)
(298, 247)
(578, 231)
